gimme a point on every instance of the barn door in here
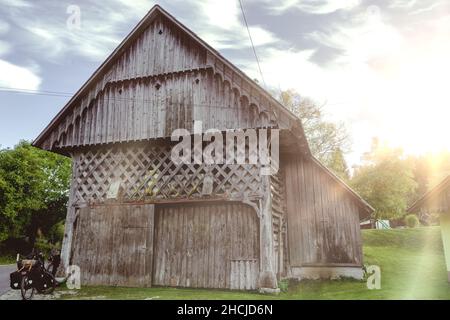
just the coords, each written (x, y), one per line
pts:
(113, 245)
(206, 246)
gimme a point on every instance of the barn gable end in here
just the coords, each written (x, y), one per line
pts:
(160, 78)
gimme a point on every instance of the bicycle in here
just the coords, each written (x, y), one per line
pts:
(32, 275)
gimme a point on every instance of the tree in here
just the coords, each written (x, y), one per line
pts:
(338, 165)
(34, 188)
(385, 180)
(328, 141)
(429, 169)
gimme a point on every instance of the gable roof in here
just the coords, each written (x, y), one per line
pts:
(440, 187)
(296, 125)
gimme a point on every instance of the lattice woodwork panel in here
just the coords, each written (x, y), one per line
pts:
(146, 172)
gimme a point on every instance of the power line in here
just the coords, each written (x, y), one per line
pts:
(36, 92)
(106, 98)
(66, 94)
(251, 41)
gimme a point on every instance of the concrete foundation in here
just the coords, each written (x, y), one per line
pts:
(316, 273)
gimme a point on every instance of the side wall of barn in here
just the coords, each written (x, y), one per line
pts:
(324, 236)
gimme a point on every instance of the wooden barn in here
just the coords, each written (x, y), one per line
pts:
(437, 201)
(136, 218)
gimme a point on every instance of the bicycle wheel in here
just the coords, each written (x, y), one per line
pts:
(49, 267)
(26, 288)
(48, 283)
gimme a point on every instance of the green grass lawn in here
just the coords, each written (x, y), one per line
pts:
(411, 261)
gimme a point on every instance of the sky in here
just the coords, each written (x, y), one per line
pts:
(381, 67)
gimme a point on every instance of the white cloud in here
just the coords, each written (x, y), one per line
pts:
(17, 3)
(361, 39)
(262, 37)
(224, 14)
(312, 6)
(387, 81)
(221, 39)
(427, 8)
(4, 27)
(403, 3)
(5, 48)
(14, 76)
(103, 26)
(136, 6)
(57, 42)
(220, 23)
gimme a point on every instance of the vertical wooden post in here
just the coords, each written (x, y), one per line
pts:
(445, 232)
(67, 241)
(148, 273)
(66, 247)
(267, 277)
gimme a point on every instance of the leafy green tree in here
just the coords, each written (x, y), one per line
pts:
(338, 165)
(328, 141)
(385, 180)
(34, 188)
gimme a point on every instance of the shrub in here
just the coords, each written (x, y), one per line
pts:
(56, 233)
(411, 221)
(43, 245)
(283, 285)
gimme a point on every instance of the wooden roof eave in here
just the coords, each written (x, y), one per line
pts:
(443, 185)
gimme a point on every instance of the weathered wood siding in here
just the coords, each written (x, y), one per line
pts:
(159, 49)
(206, 246)
(437, 203)
(162, 81)
(152, 108)
(323, 221)
(113, 245)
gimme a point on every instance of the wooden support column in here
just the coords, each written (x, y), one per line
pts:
(267, 277)
(445, 232)
(67, 241)
(66, 247)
